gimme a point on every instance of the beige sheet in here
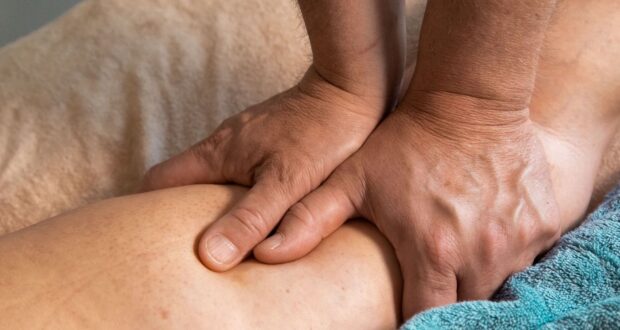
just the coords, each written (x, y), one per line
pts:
(92, 100)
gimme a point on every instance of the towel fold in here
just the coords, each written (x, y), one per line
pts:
(575, 286)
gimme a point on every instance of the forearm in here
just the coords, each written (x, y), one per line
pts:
(483, 49)
(358, 46)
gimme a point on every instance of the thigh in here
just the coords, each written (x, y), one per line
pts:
(130, 262)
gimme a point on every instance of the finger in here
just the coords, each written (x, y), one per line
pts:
(478, 285)
(228, 240)
(425, 286)
(306, 224)
(198, 164)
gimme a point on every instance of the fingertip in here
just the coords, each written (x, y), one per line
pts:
(218, 253)
(228, 240)
(266, 252)
(281, 248)
(273, 242)
(305, 225)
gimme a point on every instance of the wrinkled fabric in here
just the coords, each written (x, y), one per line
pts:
(90, 101)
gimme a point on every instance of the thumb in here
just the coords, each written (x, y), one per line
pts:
(198, 164)
(228, 240)
(426, 285)
(306, 223)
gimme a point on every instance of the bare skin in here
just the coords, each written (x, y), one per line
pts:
(286, 146)
(576, 103)
(130, 263)
(138, 256)
(464, 147)
(456, 177)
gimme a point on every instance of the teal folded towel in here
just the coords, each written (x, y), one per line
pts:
(575, 286)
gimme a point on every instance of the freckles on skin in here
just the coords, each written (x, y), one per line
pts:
(140, 271)
(333, 277)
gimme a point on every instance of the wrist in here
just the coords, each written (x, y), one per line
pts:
(317, 86)
(358, 46)
(464, 117)
(374, 83)
(489, 50)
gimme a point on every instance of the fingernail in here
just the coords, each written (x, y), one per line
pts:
(274, 241)
(221, 249)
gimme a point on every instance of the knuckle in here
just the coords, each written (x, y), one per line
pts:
(441, 249)
(438, 285)
(244, 116)
(493, 241)
(275, 167)
(202, 150)
(301, 213)
(525, 233)
(205, 148)
(250, 221)
(286, 173)
(539, 228)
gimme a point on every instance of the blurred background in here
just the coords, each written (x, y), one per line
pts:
(20, 17)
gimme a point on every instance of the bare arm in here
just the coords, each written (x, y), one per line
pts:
(358, 45)
(455, 177)
(482, 49)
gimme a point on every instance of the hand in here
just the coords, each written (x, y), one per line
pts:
(284, 148)
(465, 202)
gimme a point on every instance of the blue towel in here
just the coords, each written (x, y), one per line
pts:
(575, 286)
